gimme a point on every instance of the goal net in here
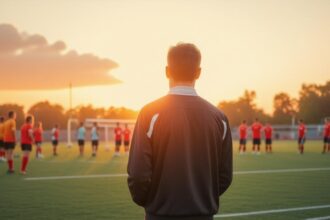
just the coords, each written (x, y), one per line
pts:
(106, 127)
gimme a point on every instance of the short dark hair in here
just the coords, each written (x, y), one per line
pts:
(29, 118)
(11, 114)
(2, 119)
(244, 121)
(184, 59)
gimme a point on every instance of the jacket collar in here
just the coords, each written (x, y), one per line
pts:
(183, 90)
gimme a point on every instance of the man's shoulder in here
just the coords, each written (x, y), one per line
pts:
(213, 108)
(164, 104)
(166, 100)
(154, 105)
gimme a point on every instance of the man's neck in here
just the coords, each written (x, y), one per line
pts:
(175, 84)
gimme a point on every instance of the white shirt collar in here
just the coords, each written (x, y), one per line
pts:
(183, 90)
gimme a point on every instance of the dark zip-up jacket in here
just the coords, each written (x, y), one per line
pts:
(180, 159)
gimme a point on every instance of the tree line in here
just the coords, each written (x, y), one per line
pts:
(312, 105)
(51, 114)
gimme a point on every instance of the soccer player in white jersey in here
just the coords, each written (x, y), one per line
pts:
(81, 133)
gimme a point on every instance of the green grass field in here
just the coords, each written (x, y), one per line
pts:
(107, 197)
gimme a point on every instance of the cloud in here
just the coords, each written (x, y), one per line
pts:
(30, 62)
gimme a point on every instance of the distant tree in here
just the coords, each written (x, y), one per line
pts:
(314, 102)
(83, 112)
(122, 113)
(49, 114)
(19, 109)
(284, 108)
(243, 108)
(88, 111)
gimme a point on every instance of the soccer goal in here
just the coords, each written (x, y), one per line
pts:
(104, 124)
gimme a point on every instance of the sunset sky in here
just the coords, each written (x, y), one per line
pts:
(114, 51)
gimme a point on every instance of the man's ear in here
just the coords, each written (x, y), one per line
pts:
(198, 73)
(167, 71)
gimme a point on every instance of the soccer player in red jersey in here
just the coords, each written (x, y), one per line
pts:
(118, 139)
(326, 136)
(55, 137)
(242, 137)
(127, 138)
(37, 133)
(268, 135)
(256, 134)
(301, 136)
(26, 142)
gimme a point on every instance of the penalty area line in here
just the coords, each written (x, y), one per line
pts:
(241, 214)
(124, 174)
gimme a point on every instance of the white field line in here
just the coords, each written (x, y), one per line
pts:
(282, 170)
(319, 218)
(271, 211)
(124, 174)
(76, 177)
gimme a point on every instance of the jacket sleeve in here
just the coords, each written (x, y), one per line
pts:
(225, 159)
(139, 167)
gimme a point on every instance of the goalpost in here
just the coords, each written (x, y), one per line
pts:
(105, 124)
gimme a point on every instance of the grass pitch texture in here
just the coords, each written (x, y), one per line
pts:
(304, 182)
